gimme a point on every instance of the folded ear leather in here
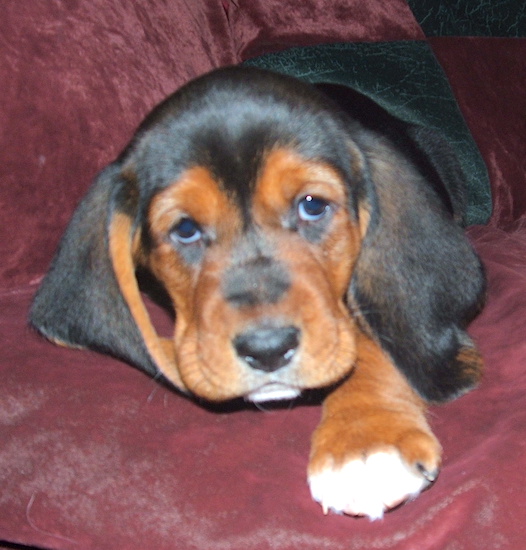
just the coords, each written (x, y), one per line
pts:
(417, 282)
(90, 296)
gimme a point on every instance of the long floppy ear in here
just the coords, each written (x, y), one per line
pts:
(417, 282)
(90, 296)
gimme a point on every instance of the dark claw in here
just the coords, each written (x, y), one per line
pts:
(429, 475)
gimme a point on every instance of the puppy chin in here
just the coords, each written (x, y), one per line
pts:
(273, 392)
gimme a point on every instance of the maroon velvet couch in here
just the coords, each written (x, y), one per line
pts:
(93, 453)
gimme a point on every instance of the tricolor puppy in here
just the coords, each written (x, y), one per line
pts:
(304, 242)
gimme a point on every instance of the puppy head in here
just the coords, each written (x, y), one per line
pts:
(254, 234)
(258, 288)
(258, 205)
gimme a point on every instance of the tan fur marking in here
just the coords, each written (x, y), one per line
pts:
(472, 363)
(195, 194)
(122, 257)
(64, 344)
(201, 345)
(364, 215)
(286, 175)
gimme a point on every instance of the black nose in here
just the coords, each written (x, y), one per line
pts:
(267, 348)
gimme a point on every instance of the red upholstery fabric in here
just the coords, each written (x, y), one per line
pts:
(94, 454)
(263, 26)
(487, 76)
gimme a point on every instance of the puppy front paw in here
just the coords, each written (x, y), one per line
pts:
(368, 481)
(369, 486)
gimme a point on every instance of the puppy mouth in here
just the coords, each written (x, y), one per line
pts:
(273, 391)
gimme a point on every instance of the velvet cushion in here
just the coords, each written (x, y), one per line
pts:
(94, 454)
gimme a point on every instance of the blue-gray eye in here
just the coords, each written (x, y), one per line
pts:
(186, 231)
(311, 209)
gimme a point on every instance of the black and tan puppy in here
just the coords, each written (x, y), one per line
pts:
(301, 248)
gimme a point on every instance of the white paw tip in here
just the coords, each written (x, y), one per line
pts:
(367, 487)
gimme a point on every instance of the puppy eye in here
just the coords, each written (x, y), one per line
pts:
(186, 231)
(311, 209)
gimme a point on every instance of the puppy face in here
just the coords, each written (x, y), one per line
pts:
(258, 279)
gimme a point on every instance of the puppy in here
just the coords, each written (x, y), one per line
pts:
(305, 242)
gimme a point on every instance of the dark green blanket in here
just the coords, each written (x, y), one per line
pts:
(471, 17)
